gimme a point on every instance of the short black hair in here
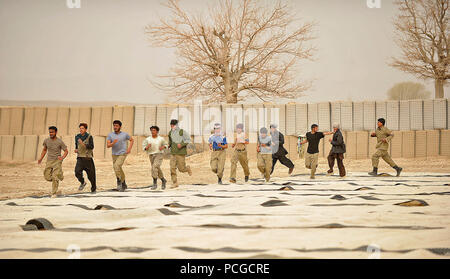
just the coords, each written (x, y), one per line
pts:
(263, 130)
(117, 122)
(84, 125)
(53, 128)
(155, 127)
(382, 121)
(173, 122)
(314, 126)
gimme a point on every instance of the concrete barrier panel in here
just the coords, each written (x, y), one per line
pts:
(301, 123)
(362, 145)
(324, 116)
(358, 116)
(29, 153)
(420, 149)
(107, 152)
(105, 121)
(250, 119)
(445, 143)
(232, 114)
(282, 118)
(69, 141)
(380, 110)
(74, 120)
(135, 147)
(150, 119)
(351, 141)
(393, 115)
(251, 147)
(161, 119)
(347, 116)
(7, 148)
(290, 119)
(96, 121)
(172, 112)
(28, 120)
(327, 145)
(428, 115)
(369, 115)
(128, 119)
(62, 121)
(396, 144)
(39, 124)
(215, 116)
(40, 145)
(291, 146)
(335, 113)
(432, 143)
(313, 115)
(85, 115)
(16, 121)
(448, 114)
(5, 120)
(416, 114)
(139, 120)
(404, 115)
(268, 114)
(372, 145)
(440, 113)
(19, 147)
(408, 144)
(52, 117)
(186, 118)
(99, 147)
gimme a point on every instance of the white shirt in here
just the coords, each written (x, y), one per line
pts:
(156, 143)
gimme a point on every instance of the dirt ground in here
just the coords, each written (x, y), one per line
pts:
(19, 180)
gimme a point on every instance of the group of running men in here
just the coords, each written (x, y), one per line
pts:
(269, 149)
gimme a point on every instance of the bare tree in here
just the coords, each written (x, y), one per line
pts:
(408, 91)
(423, 36)
(236, 51)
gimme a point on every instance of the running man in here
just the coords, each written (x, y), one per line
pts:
(384, 136)
(218, 145)
(240, 153)
(312, 153)
(154, 145)
(337, 151)
(118, 140)
(278, 150)
(178, 142)
(264, 153)
(84, 146)
(53, 169)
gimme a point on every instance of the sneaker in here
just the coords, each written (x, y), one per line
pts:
(291, 170)
(219, 181)
(246, 178)
(232, 180)
(399, 170)
(330, 173)
(82, 185)
(155, 184)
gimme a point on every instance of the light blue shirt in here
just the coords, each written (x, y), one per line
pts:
(120, 147)
(215, 140)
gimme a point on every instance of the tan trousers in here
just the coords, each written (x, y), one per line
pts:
(118, 161)
(53, 172)
(177, 161)
(311, 162)
(383, 154)
(241, 157)
(217, 162)
(265, 164)
(156, 161)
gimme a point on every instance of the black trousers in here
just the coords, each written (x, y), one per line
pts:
(87, 165)
(283, 160)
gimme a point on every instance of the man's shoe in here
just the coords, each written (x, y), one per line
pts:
(94, 192)
(53, 196)
(330, 173)
(124, 185)
(119, 184)
(246, 178)
(174, 185)
(374, 172)
(291, 170)
(219, 181)
(163, 185)
(155, 184)
(398, 169)
(82, 185)
(232, 180)
(312, 177)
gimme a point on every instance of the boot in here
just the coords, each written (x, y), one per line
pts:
(163, 185)
(374, 172)
(155, 184)
(119, 184)
(233, 180)
(246, 178)
(398, 169)
(82, 185)
(291, 170)
(124, 185)
(219, 180)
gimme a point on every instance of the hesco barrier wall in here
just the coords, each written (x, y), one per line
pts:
(421, 126)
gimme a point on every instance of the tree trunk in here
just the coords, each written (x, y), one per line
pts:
(439, 89)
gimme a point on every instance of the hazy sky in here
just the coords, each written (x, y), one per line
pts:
(99, 52)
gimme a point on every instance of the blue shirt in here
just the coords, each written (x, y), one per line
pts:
(215, 140)
(120, 147)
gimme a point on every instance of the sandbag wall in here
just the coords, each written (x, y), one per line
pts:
(421, 126)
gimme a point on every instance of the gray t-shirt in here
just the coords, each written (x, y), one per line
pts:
(120, 147)
(267, 141)
(54, 148)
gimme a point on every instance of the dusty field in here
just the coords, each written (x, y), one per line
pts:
(26, 179)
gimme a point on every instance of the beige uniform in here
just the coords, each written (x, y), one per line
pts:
(382, 147)
(53, 168)
(155, 155)
(239, 155)
(311, 162)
